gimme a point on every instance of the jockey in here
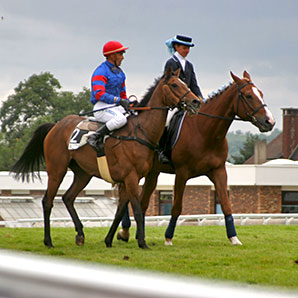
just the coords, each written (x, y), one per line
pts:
(108, 91)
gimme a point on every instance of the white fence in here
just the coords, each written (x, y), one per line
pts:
(23, 275)
(202, 219)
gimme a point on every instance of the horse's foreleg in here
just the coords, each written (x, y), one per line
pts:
(147, 190)
(123, 234)
(219, 178)
(139, 218)
(81, 179)
(180, 182)
(122, 205)
(118, 216)
(130, 191)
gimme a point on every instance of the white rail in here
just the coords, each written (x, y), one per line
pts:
(201, 219)
(24, 275)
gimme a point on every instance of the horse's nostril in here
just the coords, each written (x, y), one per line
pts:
(196, 103)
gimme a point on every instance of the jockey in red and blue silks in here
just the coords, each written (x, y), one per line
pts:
(108, 92)
(108, 84)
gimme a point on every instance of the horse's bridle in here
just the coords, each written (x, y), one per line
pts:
(243, 99)
(245, 102)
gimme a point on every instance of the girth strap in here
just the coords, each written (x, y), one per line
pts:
(132, 138)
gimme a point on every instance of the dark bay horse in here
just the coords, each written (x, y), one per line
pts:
(202, 149)
(128, 160)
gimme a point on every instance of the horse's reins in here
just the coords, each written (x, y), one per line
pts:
(151, 145)
(244, 101)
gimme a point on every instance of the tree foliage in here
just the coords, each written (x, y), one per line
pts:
(247, 150)
(241, 145)
(36, 100)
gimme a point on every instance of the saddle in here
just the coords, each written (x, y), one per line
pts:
(81, 133)
(171, 133)
(79, 138)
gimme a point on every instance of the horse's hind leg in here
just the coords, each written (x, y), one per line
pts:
(180, 182)
(80, 180)
(47, 203)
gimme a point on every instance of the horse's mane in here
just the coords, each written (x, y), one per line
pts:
(144, 101)
(216, 93)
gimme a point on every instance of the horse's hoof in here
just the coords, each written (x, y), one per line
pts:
(168, 242)
(108, 243)
(123, 235)
(235, 241)
(48, 244)
(80, 240)
(143, 245)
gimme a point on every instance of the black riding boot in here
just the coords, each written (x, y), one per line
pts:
(98, 135)
(162, 156)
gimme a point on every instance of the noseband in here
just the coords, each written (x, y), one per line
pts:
(181, 98)
(245, 103)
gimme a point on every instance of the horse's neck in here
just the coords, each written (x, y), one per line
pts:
(154, 121)
(223, 106)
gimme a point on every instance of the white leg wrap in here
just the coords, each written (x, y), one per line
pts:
(235, 241)
(168, 242)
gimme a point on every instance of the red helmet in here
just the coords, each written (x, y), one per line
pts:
(113, 47)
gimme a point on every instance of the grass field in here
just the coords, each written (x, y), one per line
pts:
(269, 255)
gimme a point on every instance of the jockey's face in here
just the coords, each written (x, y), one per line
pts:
(116, 58)
(182, 49)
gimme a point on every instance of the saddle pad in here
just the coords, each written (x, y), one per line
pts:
(104, 169)
(174, 129)
(81, 133)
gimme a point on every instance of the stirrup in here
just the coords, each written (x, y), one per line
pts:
(163, 159)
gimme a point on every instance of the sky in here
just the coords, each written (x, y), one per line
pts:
(65, 38)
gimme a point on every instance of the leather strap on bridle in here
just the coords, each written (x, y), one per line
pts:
(244, 101)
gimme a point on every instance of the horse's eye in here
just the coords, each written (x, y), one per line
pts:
(248, 96)
(174, 85)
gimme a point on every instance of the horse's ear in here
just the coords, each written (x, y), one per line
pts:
(235, 78)
(168, 73)
(246, 75)
(177, 72)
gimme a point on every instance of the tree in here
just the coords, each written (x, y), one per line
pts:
(33, 98)
(247, 150)
(35, 101)
(67, 103)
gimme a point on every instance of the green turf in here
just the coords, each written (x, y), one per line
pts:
(269, 254)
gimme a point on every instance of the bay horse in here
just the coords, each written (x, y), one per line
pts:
(129, 152)
(202, 149)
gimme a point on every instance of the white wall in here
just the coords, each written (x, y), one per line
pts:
(285, 175)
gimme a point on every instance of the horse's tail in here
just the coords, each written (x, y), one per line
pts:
(33, 155)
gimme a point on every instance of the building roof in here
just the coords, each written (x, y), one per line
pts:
(281, 161)
(274, 150)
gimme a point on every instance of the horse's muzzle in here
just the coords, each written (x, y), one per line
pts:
(191, 107)
(196, 104)
(264, 125)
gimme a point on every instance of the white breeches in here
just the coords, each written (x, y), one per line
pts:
(114, 117)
